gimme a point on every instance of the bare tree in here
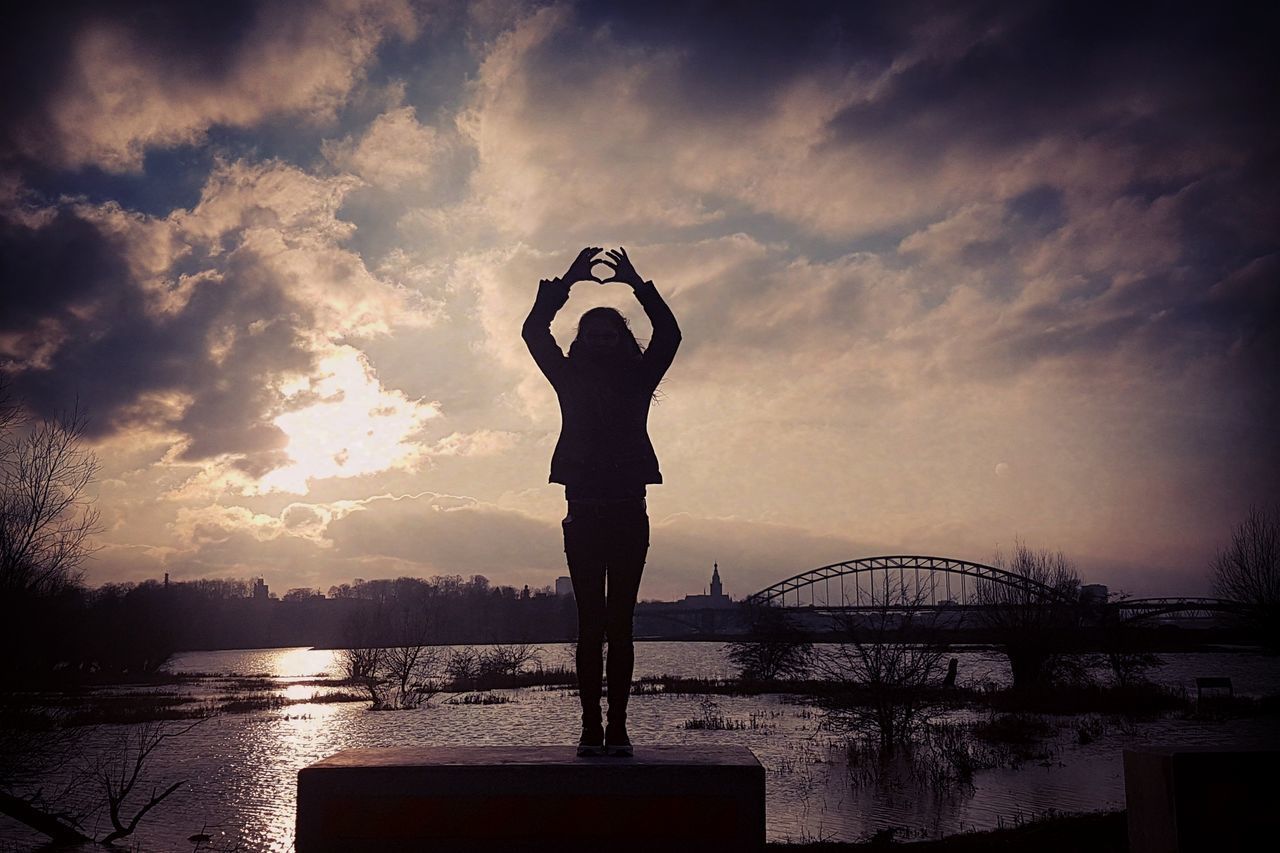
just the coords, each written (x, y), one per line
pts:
(46, 519)
(885, 669)
(1129, 665)
(508, 660)
(1125, 649)
(388, 652)
(777, 649)
(412, 672)
(66, 785)
(464, 668)
(411, 665)
(1034, 621)
(122, 772)
(34, 748)
(362, 667)
(362, 655)
(1248, 571)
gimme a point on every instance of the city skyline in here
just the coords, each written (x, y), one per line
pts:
(948, 277)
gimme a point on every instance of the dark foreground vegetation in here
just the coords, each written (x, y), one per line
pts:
(884, 683)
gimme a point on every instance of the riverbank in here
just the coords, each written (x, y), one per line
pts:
(977, 766)
(1097, 832)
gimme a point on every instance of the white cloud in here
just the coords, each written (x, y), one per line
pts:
(884, 301)
(341, 422)
(396, 151)
(123, 96)
(485, 442)
(581, 138)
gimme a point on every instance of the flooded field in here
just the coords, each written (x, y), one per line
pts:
(241, 767)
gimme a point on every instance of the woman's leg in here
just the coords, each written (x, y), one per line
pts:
(629, 547)
(587, 571)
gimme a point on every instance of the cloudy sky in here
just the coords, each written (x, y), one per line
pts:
(948, 274)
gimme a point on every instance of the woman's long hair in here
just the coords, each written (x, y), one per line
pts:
(626, 351)
(628, 348)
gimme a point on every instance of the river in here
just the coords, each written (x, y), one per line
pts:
(241, 768)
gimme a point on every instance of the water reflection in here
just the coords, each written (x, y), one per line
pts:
(242, 768)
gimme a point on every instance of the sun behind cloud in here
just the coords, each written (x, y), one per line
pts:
(346, 424)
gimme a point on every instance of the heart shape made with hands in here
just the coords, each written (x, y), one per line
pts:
(608, 265)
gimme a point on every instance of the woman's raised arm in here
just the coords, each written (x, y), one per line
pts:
(552, 295)
(666, 331)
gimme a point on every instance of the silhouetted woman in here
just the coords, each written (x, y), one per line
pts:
(605, 460)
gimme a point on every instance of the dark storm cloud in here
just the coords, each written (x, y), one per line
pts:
(113, 80)
(36, 51)
(48, 270)
(1071, 204)
(167, 320)
(728, 60)
(1187, 89)
(68, 282)
(980, 72)
(1156, 74)
(71, 281)
(735, 56)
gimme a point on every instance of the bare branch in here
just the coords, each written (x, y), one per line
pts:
(1248, 570)
(777, 649)
(56, 828)
(121, 772)
(1035, 629)
(46, 519)
(885, 669)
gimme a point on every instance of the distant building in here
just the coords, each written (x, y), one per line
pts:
(716, 598)
(260, 591)
(564, 586)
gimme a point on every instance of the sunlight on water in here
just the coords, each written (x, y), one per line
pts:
(242, 768)
(274, 663)
(299, 692)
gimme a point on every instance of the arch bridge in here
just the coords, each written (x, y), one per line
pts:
(899, 581)
(913, 581)
(1139, 609)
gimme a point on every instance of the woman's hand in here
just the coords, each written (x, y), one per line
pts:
(623, 271)
(580, 269)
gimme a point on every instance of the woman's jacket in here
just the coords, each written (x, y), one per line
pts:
(604, 404)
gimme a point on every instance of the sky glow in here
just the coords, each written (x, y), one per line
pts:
(947, 275)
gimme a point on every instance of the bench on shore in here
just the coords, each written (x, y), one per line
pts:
(1215, 685)
(1182, 799)
(663, 800)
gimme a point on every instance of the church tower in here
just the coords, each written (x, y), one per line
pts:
(716, 589)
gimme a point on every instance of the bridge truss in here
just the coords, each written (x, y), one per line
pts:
(914, 581)
(1139, 609)
(893, 581)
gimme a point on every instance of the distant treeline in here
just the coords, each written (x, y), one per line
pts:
(133, 628)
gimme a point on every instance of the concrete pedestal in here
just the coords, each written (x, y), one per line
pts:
(663, 800)
(1184, 800)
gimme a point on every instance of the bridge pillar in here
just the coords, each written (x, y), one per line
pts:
(664, 800)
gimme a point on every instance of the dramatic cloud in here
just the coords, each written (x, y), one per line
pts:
(164, 76)
(396, 150)
(866, 121)
(947, 275)
(221, 324)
